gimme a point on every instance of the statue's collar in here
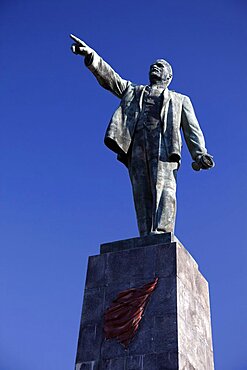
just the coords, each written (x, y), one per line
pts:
(141, 90)
(158, 86)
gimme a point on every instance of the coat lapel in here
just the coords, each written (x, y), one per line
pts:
(164, 109)
(139, 92)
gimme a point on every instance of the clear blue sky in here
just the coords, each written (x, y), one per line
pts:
(62, 193)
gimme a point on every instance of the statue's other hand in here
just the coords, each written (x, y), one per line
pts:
(80, 47)
(203, 162)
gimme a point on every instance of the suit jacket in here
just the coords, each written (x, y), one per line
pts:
(177, 112)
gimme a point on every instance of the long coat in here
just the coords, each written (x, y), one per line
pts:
(177, 112)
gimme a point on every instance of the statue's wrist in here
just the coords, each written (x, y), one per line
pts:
(88, 60)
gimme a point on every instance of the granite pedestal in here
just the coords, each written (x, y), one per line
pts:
(175, 331)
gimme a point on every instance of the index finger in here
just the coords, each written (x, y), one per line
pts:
(76, 39)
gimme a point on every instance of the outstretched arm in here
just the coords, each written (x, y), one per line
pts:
(194, 138)
(104, 73)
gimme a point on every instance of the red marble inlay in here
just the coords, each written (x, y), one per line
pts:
(122, 318)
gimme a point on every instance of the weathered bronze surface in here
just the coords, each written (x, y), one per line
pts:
(122, 318)
(145, 134)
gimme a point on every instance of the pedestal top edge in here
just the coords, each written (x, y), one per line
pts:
(138, 242)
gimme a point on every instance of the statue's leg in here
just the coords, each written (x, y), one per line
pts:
(163, 183)
(140, 180)
(166, 197)
(153, 181)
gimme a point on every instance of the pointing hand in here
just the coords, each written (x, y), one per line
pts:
(80, 47)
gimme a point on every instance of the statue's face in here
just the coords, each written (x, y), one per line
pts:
(159, 71)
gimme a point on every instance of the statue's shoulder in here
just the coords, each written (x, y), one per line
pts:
(132, 87)
(177, 94)
(132, 90)
(138, 87)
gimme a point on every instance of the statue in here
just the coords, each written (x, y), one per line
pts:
(144, 132)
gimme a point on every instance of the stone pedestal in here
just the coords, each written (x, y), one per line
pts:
(175, 331)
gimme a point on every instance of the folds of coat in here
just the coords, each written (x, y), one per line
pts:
(177, 112)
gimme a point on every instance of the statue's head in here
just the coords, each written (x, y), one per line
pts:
(160, 71)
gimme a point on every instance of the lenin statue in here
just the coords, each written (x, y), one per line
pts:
(144, 132)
